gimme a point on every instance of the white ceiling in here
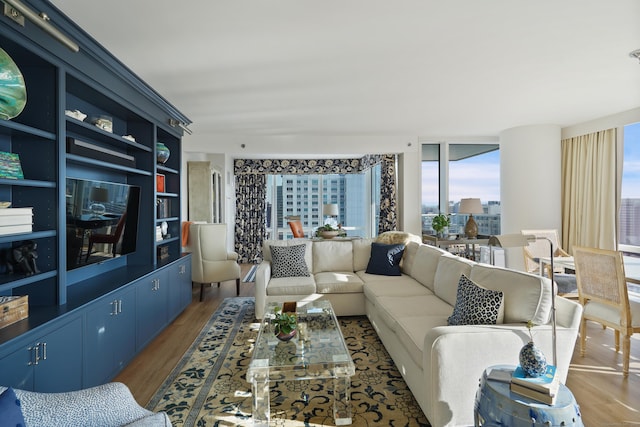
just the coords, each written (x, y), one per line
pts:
(302, 69)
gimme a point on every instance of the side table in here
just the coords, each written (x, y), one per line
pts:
(496, 405)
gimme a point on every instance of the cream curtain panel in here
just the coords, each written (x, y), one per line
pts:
(589, 195)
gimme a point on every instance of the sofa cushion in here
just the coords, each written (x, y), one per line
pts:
(288, 261)
(332, 255)
(291, 286)
(361, 253)
(425, 265)
(526, 296)
(10, 410)
(476, 305)
(409, 257)
(448, 272)
(333, 282)
(412, 331)
(377, 286)
(385, 259)
(392, 308)
(308, 254)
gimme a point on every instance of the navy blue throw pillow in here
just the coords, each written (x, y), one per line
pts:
(385, 259)
(10, 411)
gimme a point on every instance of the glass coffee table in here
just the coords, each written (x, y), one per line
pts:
(318, 351)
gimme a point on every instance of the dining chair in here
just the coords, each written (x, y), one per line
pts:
(540, 249)
(295, 224)
(110, 239)
(602, 291)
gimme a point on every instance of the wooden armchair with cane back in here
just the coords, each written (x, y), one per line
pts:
(602, 291)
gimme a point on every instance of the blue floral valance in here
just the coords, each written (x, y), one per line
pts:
(305, 166)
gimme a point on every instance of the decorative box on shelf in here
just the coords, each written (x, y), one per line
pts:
(160, 188)
(13, 309)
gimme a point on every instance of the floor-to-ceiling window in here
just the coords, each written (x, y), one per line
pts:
(453, 171)
(303, 196)
(629, 221)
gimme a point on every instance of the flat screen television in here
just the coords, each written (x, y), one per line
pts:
(102, 221)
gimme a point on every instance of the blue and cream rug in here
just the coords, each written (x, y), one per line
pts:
(208, 386)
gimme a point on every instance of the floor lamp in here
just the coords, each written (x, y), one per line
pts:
(522, 240)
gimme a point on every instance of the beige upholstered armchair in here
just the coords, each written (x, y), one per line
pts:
(211, 261)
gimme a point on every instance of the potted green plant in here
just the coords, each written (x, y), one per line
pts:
(440, 222)
(284, 324)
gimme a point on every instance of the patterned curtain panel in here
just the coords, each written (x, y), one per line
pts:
(388, 200)
(251, 191)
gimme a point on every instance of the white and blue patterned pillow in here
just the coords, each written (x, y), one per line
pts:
(288, 261)
(476, 305)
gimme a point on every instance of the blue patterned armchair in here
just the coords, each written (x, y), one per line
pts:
(107, 405)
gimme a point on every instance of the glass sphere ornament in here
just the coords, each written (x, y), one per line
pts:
(162, 152)
(13, 92)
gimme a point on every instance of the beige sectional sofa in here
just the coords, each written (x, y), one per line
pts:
(440, 363)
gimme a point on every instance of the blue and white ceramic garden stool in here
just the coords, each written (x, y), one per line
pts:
(497, 406)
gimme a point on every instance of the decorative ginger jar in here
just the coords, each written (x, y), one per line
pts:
(162, 152)
(532, 360)
(13, 92)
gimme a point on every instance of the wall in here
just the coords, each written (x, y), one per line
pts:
(530, 166)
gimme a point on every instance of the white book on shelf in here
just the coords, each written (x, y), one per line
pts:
(16, 220)
(16, 211)
(14, 229)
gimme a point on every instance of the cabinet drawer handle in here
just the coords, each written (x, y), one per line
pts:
(119, 306)
(35, 350)
(44, 351)
(182, 269)
(114, 307)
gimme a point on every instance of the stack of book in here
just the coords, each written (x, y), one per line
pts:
(543, 389)
(16, 220)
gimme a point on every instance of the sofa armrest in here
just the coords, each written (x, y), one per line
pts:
(455, 357)
(263, 275)
(232, 256)
(110, 404)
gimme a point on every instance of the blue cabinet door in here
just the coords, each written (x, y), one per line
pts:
(180, 286)
(152, 306)
(51, 362)
(60, 366)
(16, 370)
(109, 337)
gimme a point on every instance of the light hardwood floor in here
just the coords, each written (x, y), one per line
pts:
(604, 396)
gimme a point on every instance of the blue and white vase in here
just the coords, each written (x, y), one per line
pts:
(532, 360)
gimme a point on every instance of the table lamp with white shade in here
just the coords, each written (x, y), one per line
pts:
(470, 206)
(331, 212)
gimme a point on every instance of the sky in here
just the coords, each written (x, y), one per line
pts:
(477, 177)
(631, 168)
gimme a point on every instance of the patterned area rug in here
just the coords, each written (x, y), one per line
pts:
(208, 386)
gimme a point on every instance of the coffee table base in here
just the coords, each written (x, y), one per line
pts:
(262, 405)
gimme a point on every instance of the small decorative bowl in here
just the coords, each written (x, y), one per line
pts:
(4, 205)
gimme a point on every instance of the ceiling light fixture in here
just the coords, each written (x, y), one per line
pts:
(635, 54)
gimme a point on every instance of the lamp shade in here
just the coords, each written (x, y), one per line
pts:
(470, 206)
(330, 210)
(99, 194)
